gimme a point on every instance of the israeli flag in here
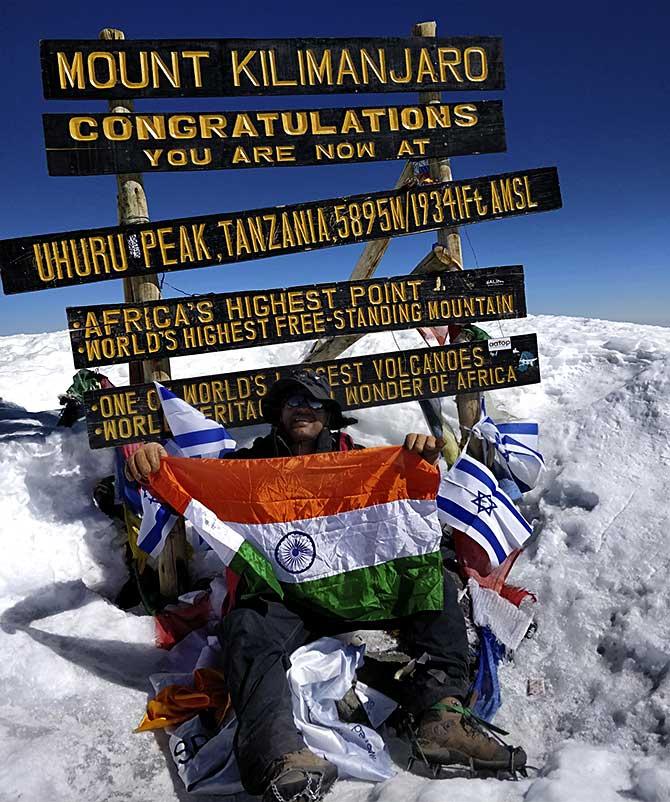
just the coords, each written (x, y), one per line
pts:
(193, 435)
(157, 523)
(470, 499)
(516, 447)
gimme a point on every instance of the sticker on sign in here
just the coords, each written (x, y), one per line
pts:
(501, 344)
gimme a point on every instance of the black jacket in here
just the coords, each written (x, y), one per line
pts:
(275, 445)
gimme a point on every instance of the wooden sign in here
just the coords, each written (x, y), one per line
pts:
(82, 257)
(85, 69)
(92, 144)
(130, 414)
(112, 333)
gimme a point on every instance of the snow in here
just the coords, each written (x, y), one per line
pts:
(74, 668)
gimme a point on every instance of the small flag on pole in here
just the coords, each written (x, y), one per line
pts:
(157, 523)
(470, 500)
(516, 447)
(194, 435)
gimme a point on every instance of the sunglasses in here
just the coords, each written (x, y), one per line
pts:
(295, 401)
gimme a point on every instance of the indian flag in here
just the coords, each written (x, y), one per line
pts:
(353, 534)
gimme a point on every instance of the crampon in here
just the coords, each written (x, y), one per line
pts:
(446, 760)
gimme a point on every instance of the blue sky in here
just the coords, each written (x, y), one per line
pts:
(587, 90)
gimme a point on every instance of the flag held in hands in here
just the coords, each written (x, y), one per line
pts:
(354, 535)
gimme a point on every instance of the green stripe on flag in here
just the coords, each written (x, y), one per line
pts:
(249, 559)
(390, 590)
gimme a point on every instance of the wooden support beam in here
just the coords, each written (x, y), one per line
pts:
(446, 255)
(132, 208)
(332, 347)
(452, 259)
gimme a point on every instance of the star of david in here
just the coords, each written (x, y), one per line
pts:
(484, 502)
(152, 499)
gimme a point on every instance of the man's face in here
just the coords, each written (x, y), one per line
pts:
(299, 420)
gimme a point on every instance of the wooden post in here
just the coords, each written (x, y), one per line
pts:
(132, 207)
(449, 238)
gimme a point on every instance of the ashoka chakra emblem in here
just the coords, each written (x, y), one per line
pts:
(295, 552)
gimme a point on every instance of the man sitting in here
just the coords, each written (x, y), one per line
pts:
(260, 633)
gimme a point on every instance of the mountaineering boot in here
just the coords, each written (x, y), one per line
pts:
(450, 733)
(299, 777)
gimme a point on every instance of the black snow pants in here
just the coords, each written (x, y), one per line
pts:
(258, 638)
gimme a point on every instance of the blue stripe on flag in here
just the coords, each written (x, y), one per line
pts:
(507, 440)
(517, 428)
(200, 438)
(154, 535)
(165, 394)
(509, 504)
(467, 466)
(470, 519)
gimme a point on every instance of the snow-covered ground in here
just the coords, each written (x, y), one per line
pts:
(74, 668)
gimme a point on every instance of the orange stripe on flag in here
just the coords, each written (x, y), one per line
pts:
(294, 488)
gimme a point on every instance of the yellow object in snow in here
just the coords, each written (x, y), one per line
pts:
(177, 703)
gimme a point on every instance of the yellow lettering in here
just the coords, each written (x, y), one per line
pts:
(108, 59)
(468, 63)
(465, 115)
(403, 79)
(117, 128)
(171, 72)
(240, 67)
(276, 81)
(346, 67)
(321, 72)
(150, 127)
(243, 126)
(153, 156)
(144, 71)
(447, 59)
(240, 155)
(75, 129)
(195, 56)
(378, 69)
(71, 74)
(531, 203)
(425, 67)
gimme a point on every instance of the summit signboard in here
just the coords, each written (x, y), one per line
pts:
(91, 144)
(86, 69)
(81, 257)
